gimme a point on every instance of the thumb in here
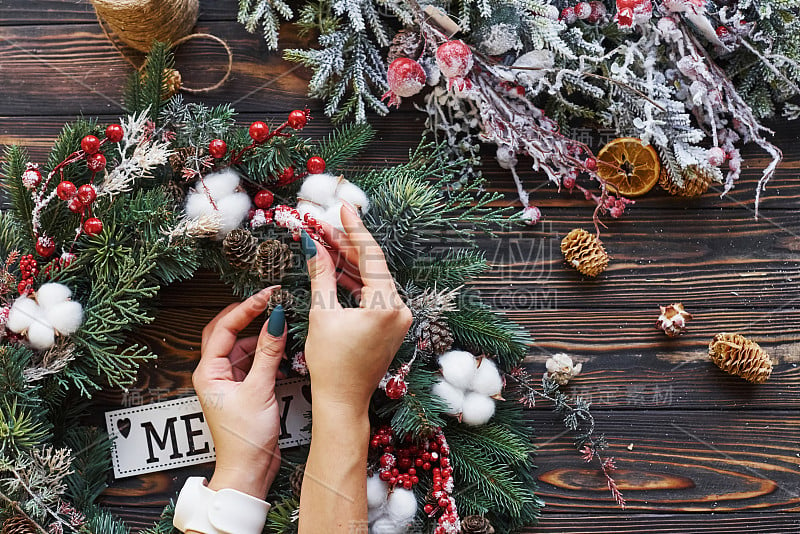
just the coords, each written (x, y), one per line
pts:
(322, 273)
(270, 350)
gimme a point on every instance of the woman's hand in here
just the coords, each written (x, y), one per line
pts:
(235, 381)
(348, 350)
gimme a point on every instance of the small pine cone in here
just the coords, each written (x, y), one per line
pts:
(296, 479)
(178, 158)
(273, 259)
(475, 524)
(19, 524)
(435, 336)
(283, 298)
(405, 43)
(673, 319)
(239, 247)
(737, 355)
(695, 182)
(172, 83)
(585, 252)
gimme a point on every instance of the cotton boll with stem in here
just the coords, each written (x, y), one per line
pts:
(487, 380)
(452, 396)
(52, 294)
(319, 188)
(458, 368)
(477, 409)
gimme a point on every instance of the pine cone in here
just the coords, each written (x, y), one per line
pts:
(404, 44)
(585, 252)
(435, 336)
(673, 319)
(475, 524)
(239, 247)
(282, 297)
(178, 158)
(19, 524)
(172, 83)
(273, 259)
(695, 182)
(737, 355)
(296, 479)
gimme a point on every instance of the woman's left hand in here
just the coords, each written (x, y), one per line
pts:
(235, 381)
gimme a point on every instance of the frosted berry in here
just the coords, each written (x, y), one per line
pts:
(66, 190)
(90, 144)
(396, 388)
(75, 205)
(31, 177)
(616, 212)
(591, 164)
(263, 199)
(405, 77)
(716, 156)
(621, 4)
(454, 59)
(286, 175)
(625, 17)
(315, 165)
(114, 133)
(259, 131)
(93, 226)
(569, 181)
(217, 148)
(297, 119)
(597, 13)
(96, 162)
(568, 15)
(583, 10)
(87, 194)
(722, 31)
(45, 246)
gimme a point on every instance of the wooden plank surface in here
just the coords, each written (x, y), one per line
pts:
(710, 453)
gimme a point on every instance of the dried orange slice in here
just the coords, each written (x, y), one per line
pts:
(628, 167)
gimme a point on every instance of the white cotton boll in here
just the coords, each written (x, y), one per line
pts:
(313, 210)
(232, 210)
(319, 188)
(218, 184)
(65, 317)
(353, 195)
(387, 525)
(487, 380)
(41, 335)
(333, 216)
(198, 205)
(477, 409)
(52, 294)
(377, 491)
(402, 505)
(451, 395)
(22, 313)
(458, 368)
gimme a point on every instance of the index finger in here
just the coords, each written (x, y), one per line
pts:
(222, 336)
(372, 266)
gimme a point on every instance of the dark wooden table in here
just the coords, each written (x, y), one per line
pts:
(698, 450)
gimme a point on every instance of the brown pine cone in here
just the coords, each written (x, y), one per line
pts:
(239, 247)
(172, 83)
(695, 182)
(475, 524)
(405, 43)
(19, 524)
(737, 355)
(435, 336)
(178, 158)
(283, 298)
(585, 252)
(296, 479)
(273, 259)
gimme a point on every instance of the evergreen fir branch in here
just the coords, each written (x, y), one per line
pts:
(497, 441)
(101, 521)
(482, 330)
(266, 14)
(14, 359)
(19, 217)
(457, 267)
(164, 523)
(147, 90)
(282, 517)
(344, 143)
(20, 427)
(90, 464)
(418, 412)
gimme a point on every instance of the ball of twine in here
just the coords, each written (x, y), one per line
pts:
(140, 22)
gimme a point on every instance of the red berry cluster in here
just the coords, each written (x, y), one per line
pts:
(78, 200)
(400, 464)
(57, 264)
(29, 269)
(289, 218)
(396, 386)
(616, 205)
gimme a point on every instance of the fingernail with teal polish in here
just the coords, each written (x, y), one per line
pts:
(276, 322)
(307, 244)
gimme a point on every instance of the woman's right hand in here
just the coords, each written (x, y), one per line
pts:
(349, 350)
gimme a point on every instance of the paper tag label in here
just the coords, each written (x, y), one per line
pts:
(437, 16)
(174, 433)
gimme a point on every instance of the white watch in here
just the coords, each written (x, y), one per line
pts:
(227, 511)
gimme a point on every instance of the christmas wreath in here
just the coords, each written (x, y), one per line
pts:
(116, 212)
(684, 83)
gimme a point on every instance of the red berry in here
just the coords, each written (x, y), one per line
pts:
(443, 502)
(395, 471)
(217, 148)
(396, 388)
(591, 164)
(31, 177)
(385, 476)
(66, 190)
(259, 131)
(428, 509)
(25, 286)
(625, 17)
(286, 175)
(297, 119)
(93, 226)
(96, 162)
(569, 181)
(315, 165)
(90, 144)
(263, 199)
(627, 3)
(387, 460)
(722, 31)
(426, 466)
(114, 133)
(87, 194)
(407, 484)
(75, 205)
(45, 247)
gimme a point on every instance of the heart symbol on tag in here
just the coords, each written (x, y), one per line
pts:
(124, 426)
(306, 390)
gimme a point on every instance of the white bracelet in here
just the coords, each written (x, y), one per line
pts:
(227, 511)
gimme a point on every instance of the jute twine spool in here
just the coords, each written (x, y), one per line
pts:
(138, 23)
